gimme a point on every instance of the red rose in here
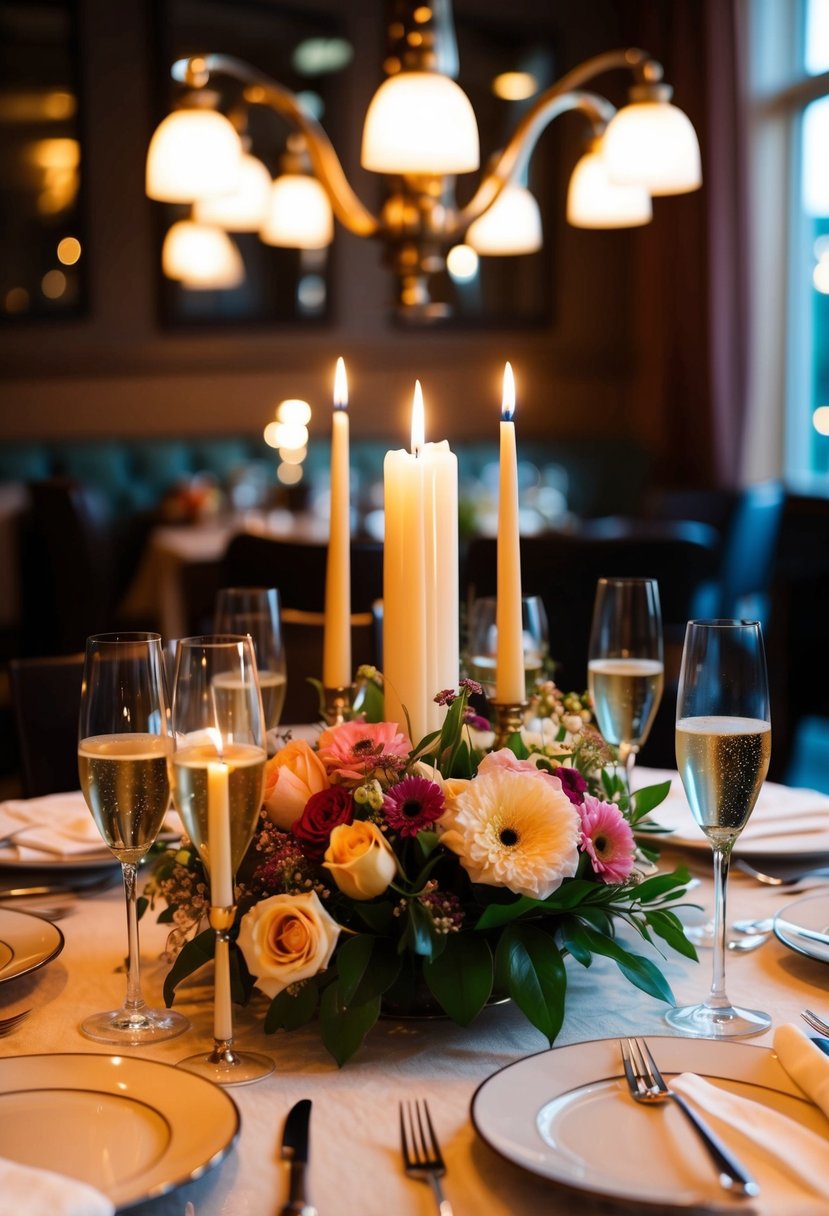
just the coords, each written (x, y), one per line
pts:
(323, 812)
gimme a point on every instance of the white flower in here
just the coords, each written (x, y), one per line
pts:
(516, 830)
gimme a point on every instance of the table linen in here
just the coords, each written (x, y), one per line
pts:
(355, 1154)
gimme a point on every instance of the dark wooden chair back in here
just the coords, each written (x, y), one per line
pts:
(46, 698)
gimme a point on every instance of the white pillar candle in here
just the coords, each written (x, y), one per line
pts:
(336, 654)
(440, 472)
(218, 834)
(404, 589)
(510, 686)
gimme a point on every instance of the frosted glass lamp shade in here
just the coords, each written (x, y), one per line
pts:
(653, 144)
(511, 225)
(244, 209)
(201, 256)
(594, 201)
(299, 214)
(420, 122)
(193, 154)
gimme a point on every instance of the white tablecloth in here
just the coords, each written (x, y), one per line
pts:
(355, 1156)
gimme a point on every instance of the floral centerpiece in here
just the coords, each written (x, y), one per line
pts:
(439, 876)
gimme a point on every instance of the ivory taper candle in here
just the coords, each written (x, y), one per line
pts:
(336, 654)
(510, 685)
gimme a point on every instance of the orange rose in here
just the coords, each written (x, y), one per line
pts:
(291, 777)
(360, 859)
(286, 939)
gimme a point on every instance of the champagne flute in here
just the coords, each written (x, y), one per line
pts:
(217, 776)
(483, 641)
(625, 668)
(723, 746)
(124, 740)
(256, 611)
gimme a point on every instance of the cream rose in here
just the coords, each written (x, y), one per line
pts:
(286, 939)
(360, 859)
(291, 777)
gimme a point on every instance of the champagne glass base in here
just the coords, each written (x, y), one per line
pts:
(229, 1067)
(708, 1022)
(128, 1028)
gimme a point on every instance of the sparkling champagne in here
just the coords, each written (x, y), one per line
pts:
(723, 762)
(246, 771)
(232, 693)
(126, 785)
(481, 667)
(626, 695)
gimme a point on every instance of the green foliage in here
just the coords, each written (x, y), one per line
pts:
(529, 966)
(460, 977)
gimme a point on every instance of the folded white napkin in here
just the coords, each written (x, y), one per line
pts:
(58, 825)
(789, 1161)
(26, 1191)
(782, 812)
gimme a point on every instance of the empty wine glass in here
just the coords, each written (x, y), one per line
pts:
(124, 741)
(218, 770)
(483, 641)
(723, 746)
(625, 669)
(256, 611)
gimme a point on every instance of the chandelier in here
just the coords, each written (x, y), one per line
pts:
(420, 133)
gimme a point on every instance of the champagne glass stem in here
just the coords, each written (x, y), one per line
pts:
(135, 1001)
(717, 998)
(627, 755)
(222, 1011)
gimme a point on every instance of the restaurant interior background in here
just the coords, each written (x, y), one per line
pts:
(660, 369)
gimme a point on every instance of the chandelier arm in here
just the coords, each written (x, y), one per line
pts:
(261, 90)
(514, 156)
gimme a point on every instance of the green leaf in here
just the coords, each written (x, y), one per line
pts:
(192, 956)
(517, 746)
(668, 926)
(529, 963)
(427, 842)
(640, 971)
(660, 884)
(141, 906)
(343, 1027)
(291, 1009)
(379, 917)
(496, 915)
(461, 976)
(367, 966)
(419, 933)
(167, 915)
(369, 701)
(646, 799)
(574, 940)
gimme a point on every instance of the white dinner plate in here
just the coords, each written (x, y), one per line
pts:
(94, 860)
(26, 943)
(785, 823)
(794, 923)
(567, 1116)
(133, 1128)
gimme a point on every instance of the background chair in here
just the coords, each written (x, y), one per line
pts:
(46, 700)
(563, 568)
(298, 571)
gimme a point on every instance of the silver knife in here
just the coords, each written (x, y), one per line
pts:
(295, 1151)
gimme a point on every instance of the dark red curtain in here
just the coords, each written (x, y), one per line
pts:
(691, 261)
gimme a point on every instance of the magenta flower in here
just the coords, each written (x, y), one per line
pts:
(356, 752)
(413, 805)
(573, 784)
(607, 839)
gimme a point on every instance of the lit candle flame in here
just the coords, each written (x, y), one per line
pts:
(508, 398)
(215, 738)
(340, 386)
(418, 434)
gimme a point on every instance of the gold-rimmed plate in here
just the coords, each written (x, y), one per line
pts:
(26, 943)
(133, 1128)
(566, 1115)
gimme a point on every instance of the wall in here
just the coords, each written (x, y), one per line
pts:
(117, 373)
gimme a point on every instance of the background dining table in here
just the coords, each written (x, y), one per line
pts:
(355, 1163)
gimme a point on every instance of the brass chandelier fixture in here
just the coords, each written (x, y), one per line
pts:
(420, 132)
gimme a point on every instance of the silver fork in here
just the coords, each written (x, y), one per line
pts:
(7, 1025)
(647, 1085)
(422, 1157)
(816, 1023)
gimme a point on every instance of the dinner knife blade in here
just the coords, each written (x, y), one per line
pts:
(295, 1152)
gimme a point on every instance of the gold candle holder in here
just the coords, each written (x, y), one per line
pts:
(509, 718)
(338, 704)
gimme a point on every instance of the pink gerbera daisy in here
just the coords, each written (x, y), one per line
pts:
(607, 839)
(355, 752)
(413, 805)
